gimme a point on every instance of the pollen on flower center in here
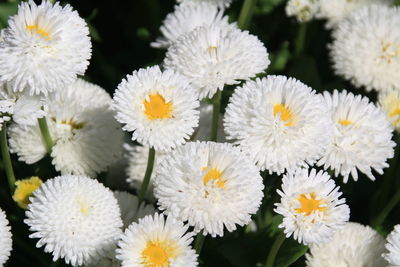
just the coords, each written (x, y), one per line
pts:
(285, 114)
(309, 204)
(42, 33)
(157, 108)
(84, 207)
(389, 51)
(215, 175)
(345, 122)
(158, 254)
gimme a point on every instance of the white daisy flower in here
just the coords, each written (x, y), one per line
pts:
(355, 245)
(366, 48)
(389, 101)
(362, 137)
(160, 108)
(310, 205)
(203, 131)
(212, 56)
(209, 185)
(22, 108)
(75, 218)
(87, 137)
(335, 11)
(131, 211)
(303, 10)
(137, 157)
(156, 241)
(187, 17)
(280, 122)
(392, 254)
(5, 238)
(219, 3)
(44, 48)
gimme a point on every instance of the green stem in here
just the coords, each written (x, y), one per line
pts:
(386, 210)
(147, 175)
(7, 159)
(274, 250)
(198, 243)
(44, 129)
(215, 118)
(246, 13)
(300, 39)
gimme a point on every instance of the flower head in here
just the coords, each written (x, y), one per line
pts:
(279, 122)
(24, 189)
(159, 108)
(389, 101)
(311, 208)
(75, 218)
(362, 136)
(366, 48)
(392, 255)
(303, 10)
(210, 185)
(156, 241)
(5, 238)
(212, 56)
(44, 48)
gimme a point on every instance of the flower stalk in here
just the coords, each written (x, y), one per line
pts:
(215, 118)
(44, 129)
(7, 159)
(147, 175)
(246, 14)
(274, 250)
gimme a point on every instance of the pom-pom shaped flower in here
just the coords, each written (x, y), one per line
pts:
(5, 238)
(160, 108)
(354, 245)
(311, 208)
(210, 185)
(280, 122)
(24, 189)
(81, 127)
(389, 101)
(156, 241)
(187, 17)
(392, 254)
(44, 48)
(212, 56)
(362, 136)
(219, 3)
(303, 10)
(373, 62)
(75, 218)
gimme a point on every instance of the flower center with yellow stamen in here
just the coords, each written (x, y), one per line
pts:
(390, 51)
(73, 124)
(24, 189)
(395, 112)
(215, 175)
(345, 122)
(84, 206)
(309, 204)
(157, 108)
(42, 33)
(213, 51)
(285, 114)
(158, 254)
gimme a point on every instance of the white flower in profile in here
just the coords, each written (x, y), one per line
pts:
(355, 245)
(75, 218)
(185, 18)
(159, 108)
(156, 241)
(310, 205)
(87, 137)
(335, 11)
(22, 108)
(362, 137)
(389, 101)
(44, 48)
(5, 238)
(303, 10)
(219, 3)
(279, 122)
(210, 185)
(392, 255)
(373, 62)
(213, 56)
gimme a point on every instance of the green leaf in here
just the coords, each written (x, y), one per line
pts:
(289, 253)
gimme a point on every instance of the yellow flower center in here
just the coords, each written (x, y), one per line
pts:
(84, 206)
(309, 204)
(157, 108)
(285, 114)
(42, 33)
(390, 51)
(24, 189)
(215, 175)
(345, 122)
(73, 124)
(395, 112)
(158, 254)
